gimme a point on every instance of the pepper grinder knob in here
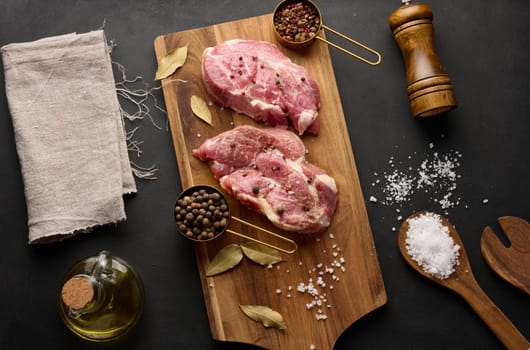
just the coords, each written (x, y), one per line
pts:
(429, 87)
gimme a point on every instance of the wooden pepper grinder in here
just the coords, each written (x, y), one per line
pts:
(429, 87)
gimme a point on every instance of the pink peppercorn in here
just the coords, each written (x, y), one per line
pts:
(297, 21)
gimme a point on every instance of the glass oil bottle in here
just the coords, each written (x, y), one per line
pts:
(101, 298)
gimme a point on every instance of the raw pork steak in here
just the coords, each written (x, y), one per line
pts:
(266, 170)
(255, 78)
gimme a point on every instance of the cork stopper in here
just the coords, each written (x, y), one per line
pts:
(77, 292)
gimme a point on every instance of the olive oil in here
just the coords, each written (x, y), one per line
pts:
(101, 298)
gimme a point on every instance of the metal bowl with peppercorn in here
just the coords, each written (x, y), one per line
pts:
(202, 214)
(296, 24)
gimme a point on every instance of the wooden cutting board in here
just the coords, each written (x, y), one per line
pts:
(344, 257)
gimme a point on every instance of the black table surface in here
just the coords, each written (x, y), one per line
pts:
(485, 48)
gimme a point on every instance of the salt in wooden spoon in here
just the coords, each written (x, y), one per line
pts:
(463, 283)
(511, 263)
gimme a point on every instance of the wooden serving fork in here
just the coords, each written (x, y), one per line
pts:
(511, 263)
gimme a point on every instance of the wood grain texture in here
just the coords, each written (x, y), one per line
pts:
(429, 86)
(346, 297)
(463, 282)
(512, 263)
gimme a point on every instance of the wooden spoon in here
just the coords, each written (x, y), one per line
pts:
(463, 283)
(511, 263)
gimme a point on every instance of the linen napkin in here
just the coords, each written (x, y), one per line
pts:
(69, 134)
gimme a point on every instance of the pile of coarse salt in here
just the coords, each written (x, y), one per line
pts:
(429, 244)
(436, 176)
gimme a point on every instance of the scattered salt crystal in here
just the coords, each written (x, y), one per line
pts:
(321, 317)
(431, 145)
(399, 186)
(319, 281)
(312, 347)
(301, 287)
(429, 244)
(373, 199)
(435, 175)
(485, 201)
(445, 202)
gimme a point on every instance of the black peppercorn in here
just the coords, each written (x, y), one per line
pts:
(202, 215)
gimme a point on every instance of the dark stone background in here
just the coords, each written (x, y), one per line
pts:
(484, 45)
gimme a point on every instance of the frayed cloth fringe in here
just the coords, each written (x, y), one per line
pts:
(134, 105)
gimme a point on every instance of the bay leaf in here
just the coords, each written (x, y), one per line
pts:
(267, 316)
(225, 259)
(200, 109)
(260, 253)
(171, 62)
